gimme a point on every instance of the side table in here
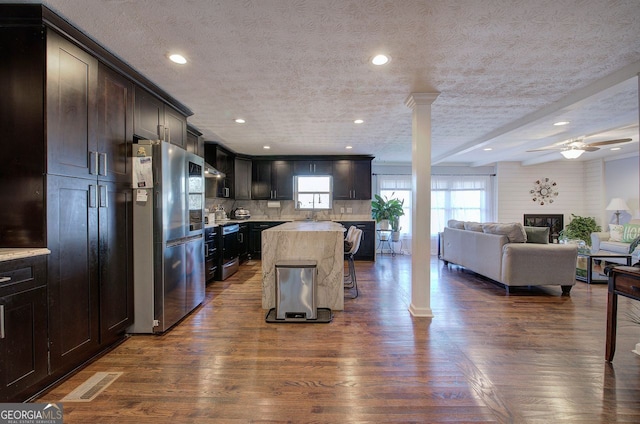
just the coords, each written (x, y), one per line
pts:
(623, 281)
(602, 255)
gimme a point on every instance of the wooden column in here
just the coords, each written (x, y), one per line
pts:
(420, 103)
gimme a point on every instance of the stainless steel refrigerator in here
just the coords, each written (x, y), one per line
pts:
(168, 239)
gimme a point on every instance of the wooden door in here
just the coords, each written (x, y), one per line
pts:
(361, 174)
(72, 232)
(71, 109)
(175, 125)
(148, 115)
(282, 180)
(115, 125)
(115, 202)
(261, 180)
(342, 180)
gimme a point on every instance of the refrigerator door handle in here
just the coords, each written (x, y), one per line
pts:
(2, 334)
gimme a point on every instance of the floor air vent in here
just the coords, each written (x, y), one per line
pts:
(91, 388)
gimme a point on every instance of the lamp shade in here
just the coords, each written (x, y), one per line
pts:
(572, 153)
(617, 204)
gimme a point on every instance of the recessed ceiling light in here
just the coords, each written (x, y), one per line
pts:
(349, 147)
(266, 147)
(240, 121)
(358, 121)
(380, 59)
(560, 123)
(178, 58)
(616, 148)
(486, 149)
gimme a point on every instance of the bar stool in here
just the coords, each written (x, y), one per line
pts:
(351, 282)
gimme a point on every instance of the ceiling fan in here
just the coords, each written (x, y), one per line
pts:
(573, 148)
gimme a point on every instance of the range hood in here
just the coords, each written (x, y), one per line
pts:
(211, 172)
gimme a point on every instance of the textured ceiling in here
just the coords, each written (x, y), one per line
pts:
(298, 71)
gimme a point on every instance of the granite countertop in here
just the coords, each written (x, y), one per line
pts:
(8, 254)
(308, 226)
(287, 219)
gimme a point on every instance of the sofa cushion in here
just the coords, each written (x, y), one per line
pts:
(514, 231)
(453, 223)
(615, 247)
(615, 232)
(539, 235)
(630, 232)
(473, 226)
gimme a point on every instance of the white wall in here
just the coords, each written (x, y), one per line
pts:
(514, 183)
(622, 179)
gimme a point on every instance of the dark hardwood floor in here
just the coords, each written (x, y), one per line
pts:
(530, 356)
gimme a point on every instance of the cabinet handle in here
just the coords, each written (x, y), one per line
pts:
(167, 131)
(310, 167)
(5, 279)
(93, 163)
(161, 132)
(226, 192)
(314, 168)
(102, 165)
(2, 322)
(92, 196)
(102, 196)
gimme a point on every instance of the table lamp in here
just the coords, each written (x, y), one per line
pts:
(617, 204)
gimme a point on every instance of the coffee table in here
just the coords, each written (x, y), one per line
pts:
(604, 256)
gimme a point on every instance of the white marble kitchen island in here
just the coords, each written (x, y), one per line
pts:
(321, 241)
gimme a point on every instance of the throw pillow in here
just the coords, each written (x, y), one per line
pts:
(473, 226)
(630, 232)
(615, 232)
(453, 223)
(539, 235)
(634, 244)
(514, 231)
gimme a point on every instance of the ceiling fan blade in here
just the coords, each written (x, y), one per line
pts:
(604, 143)
(545, 149)
(590, 148)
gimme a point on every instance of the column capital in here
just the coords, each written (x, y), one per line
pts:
(420, 99)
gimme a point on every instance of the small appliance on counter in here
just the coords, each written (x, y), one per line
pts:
(220, 214)
(240, 213)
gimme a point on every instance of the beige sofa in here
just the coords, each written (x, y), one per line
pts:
(501, 253)
(603, 242)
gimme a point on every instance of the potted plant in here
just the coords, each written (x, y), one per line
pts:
(395, 228)
(386, 211)
(580, 228)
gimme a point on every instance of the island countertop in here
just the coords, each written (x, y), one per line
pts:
(308, 226)
(320, 241)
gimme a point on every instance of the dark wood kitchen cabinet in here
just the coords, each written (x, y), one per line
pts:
(366, 251)
(23, 327)
(312, 167)
(224, 161)
(272, 180)
(242, 172)
(156, 120)
(352, 179)
(195, 142)
(255, 236)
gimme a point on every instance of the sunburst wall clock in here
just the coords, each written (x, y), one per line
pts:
(544, 191)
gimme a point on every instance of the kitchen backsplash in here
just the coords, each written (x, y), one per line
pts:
(360, 209)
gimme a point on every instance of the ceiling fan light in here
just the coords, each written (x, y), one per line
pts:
(572, 153)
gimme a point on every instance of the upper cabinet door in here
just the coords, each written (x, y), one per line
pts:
(148, 120)
(361, 172)
(115, 125)
(282, 180)
(72, 76)
(312, 167)
(175, 127)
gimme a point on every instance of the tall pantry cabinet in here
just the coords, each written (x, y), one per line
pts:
(68, 123)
